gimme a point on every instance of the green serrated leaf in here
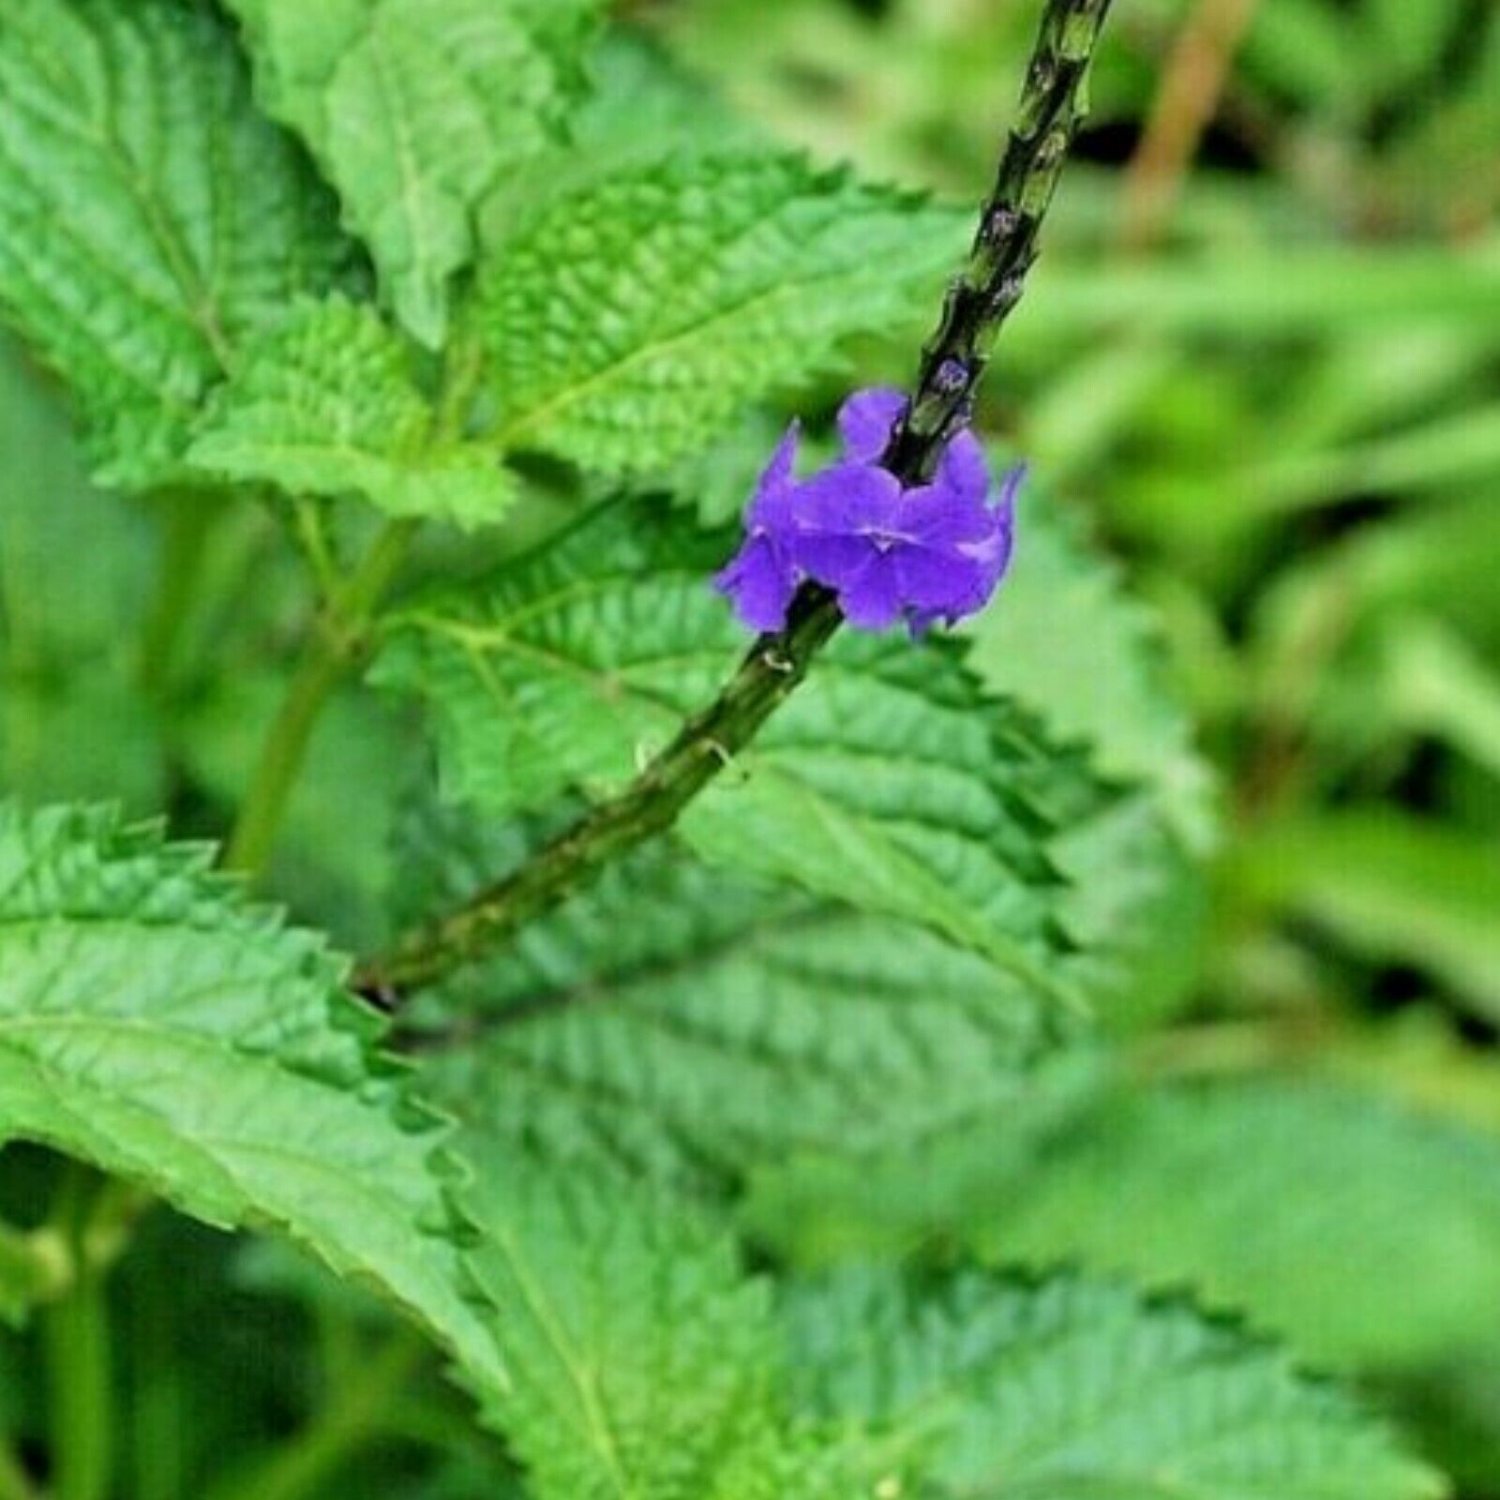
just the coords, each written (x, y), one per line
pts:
(328, 404)
(149, 218)
(153, 1024)
(1138, 899)
(418, 110)
(1102, 680)
(1068, 1388)
(629, 319)
(1367, 1233)
(688, 1024)
(888, 782)
(644, 1359)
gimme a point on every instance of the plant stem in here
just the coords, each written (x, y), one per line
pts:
(186, 522)
(979, 301)
(1054, 102)
(650, 805)
(75, 1331)
(356, 1412)
(330, 654)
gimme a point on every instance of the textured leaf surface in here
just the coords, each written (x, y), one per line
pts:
(417, 110)
(155, 1026)
(1070, 1388)
(888, 782)
(1102, 680)
(681, 1022)
(644, 1359)
(629, 319)
(328, 405)
(149, 217)
(1139, 899)
(1366, 1233)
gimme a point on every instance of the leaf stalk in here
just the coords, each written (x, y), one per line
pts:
(76, 1336)
(331, 654)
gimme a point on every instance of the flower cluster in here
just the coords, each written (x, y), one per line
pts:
(930, 553)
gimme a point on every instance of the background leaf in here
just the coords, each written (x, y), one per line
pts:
(686, 1024)
(629, 318)
(1391, 887)
(417, 110)
(155, 1026)
(1066, 1387)
(75, 571)
(328, 404)
(149, 218)
(644, 1359)
(889, 784)
(1381, 1252)
(1101, 680)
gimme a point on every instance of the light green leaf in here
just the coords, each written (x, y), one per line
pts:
(1364, 1232)
(1070, 1388)
(684, 1023)
(644, 1359)
(1103, 679)
(628, 320)
(1137, 905)
(1440, 684)
(328, 404)
(417, 110)
(888, 782)
(1255, 293)
(1393, 887)
(1138, 899)
(149, 217)
(156, 1026)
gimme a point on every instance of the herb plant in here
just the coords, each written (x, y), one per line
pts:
(743, 1026)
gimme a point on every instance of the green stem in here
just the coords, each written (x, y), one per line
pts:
(160, 1419)
(330, 655)
(1054, 102)
(356, 1413)
(186, 523)
(649, 806)
(1052, 107)
(76, 1337)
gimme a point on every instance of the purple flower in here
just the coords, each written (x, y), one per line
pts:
(934, 552)
(763, 575)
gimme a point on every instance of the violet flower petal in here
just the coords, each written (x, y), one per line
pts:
(865, 423)
(872, 599)
(937, 580)
(761, 582)
(832, 558)
(964, 470)
(770, 507)
(937, 517)
(850, 498)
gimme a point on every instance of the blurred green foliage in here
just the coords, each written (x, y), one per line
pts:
(1278, 403)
